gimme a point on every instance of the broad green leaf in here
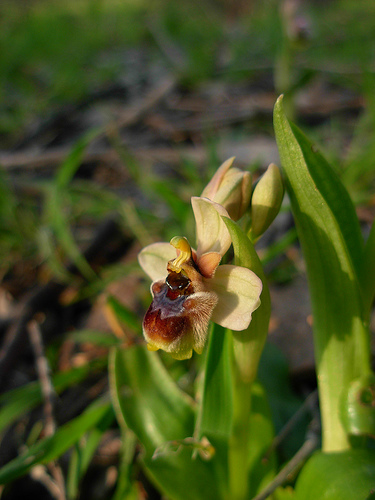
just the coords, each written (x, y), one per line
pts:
(52, 447)
(333, 248)
(338, 476)
(217, 386)
(17, 402)
(147, 398)
(216, 402)
(162, 416)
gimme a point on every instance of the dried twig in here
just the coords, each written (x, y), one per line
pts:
(311, 443)
(131, 115)
(57, 487)
(43, 370)
(291, 423)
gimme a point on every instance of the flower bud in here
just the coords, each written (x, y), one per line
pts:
(230, 188)
(266, 200)
(358, 406)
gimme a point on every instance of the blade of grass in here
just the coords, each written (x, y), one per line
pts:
(17, 402)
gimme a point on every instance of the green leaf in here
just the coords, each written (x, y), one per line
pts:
(217, 387)
(126, 488)
(50, 448)
(307, 168)
(162, 417)
(83, 453)
(368, 270)
(216, 403)
(59, 222)
(338, 476)
(124, 314)
(55, 206)
(95, 337)
(71, 164)
(147, 398)
(332, 245)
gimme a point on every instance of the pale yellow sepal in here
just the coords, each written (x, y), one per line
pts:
(153, 259)
(238, 290)
(212, 233)
(231, 188)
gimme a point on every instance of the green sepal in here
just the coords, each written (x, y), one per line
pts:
(249, 343)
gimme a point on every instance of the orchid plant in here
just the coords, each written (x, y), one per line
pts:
(202, 414)
(206, 444)
(196, 294)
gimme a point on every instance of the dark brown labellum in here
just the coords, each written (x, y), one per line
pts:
(167, 318)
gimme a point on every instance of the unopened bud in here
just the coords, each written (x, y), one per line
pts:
(231, 188)
(266, 201)
(358, 406)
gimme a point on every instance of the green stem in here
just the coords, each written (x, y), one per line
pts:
(339, 362)
(239, 441)
(247, 349)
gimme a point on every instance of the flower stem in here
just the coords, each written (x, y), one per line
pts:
(239, 441)
(247, 349)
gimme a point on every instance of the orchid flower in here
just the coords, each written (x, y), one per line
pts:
(189, 287)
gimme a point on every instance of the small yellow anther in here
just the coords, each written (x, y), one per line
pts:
(181, 244)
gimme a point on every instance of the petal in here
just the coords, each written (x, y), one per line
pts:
(208, 263)
(154, 258)
(212, 233)
(238, 290)
(212, 187)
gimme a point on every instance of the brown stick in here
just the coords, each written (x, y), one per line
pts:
(43, 370)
